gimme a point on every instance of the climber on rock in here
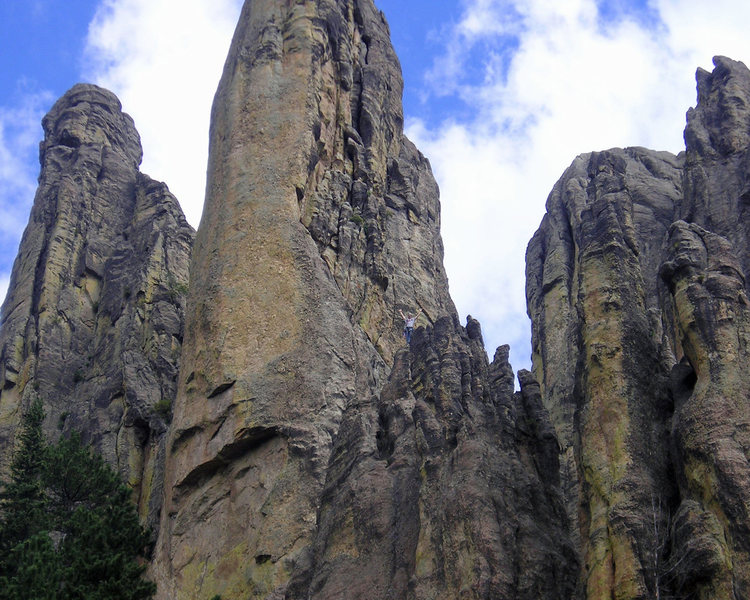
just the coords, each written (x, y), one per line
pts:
(409, 322)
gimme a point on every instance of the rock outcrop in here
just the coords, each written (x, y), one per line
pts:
(269, 416)
(707, 270)
(443, 487)
(311, 456)
(636, 286)
(93, 319)
(711, 424)
(592, 274)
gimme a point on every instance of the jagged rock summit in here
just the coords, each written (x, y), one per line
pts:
(277, 432)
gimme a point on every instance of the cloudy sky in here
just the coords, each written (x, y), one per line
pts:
(500, 95)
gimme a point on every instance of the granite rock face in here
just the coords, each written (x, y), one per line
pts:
(592, 271)
(93, 319)
(445, 486)
(272, 421)
(711, 424)
(310, 455)
(636, 286)
(707, 269)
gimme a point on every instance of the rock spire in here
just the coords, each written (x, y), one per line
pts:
(637, 290)
(93, 319)
(310, 455)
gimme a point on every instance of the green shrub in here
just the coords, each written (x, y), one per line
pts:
(163, 408)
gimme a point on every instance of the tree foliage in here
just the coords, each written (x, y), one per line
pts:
(68, 530)
(23, 501)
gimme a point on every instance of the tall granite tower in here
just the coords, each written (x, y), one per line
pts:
(637, 290)
(93, 320)
(297, 467)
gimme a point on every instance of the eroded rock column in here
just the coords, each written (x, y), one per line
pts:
(93, 319)
(600, 358)
(314, 198)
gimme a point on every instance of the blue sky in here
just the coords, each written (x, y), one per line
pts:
(500, 95)
(42, 45)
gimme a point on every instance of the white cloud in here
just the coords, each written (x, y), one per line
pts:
(4, 281)
(698, 30)
(556, 80)
(20, 132)
(164, 63)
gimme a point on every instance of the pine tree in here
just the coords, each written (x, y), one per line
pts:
(68, 529)
(23, 502)
(35, 571)
(102, 539)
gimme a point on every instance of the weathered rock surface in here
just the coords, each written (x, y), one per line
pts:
(711, 425)
(707, 268)
(636, 286)
(717, 138)
(592, 270)
(445, 486)
(93, 319)
(310, 456)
